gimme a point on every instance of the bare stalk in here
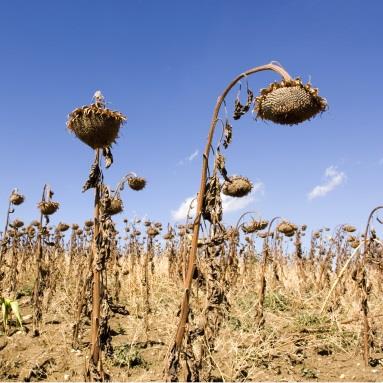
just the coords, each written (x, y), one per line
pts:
(95, 361)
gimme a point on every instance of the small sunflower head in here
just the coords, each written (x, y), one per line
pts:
(136, 183)
(48, 207)
(349, 228)
(115, 206)
(287, 228)
(255, 225)
(16, 198)
(237, 186)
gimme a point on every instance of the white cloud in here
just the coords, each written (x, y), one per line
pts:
(229, 204)
(193, 155)
(182, 211)
(334, 178)
(188, 158)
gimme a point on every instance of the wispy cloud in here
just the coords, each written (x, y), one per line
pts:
(188, 158)
(229, 204)
(193, 155)
(333, 177)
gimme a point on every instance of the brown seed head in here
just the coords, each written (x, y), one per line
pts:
(289, 102)
(16, 198)
(48, 207)
(136, 183)
(349, 228)
(255, 225)
(95, 125)
(116, 206)
(237, 186)
(287, 228)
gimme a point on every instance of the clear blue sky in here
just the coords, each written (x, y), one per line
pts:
(163, 64)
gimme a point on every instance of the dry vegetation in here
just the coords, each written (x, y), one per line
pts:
(242, 303)
(294, 340)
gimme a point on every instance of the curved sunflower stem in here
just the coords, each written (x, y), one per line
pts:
(172, 363)
(237, 226)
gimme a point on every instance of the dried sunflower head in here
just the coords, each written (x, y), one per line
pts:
(115, 206)
(17, 224)
(62, 227)
(95, 125)
(88, 223)
(136, 183)
(168, 235)
(48, 207)
(255, 225)
(152, 231)
(31, 231)
(289, 102)
(349, 228)
(16, 198)
(237, 186)
(287, 228)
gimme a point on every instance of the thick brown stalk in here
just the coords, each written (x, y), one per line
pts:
(262, 287)
(81, 291)
(37, 293)
(196, 225)
(40, 275)
(365, 293)
(95, 351)
(146, 286)
(3, 244)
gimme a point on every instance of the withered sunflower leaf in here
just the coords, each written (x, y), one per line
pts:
(212, 204)
(93, 178)
(220, 161)
(238, 110)
(228, 134)
(250, 98)
(107, 153)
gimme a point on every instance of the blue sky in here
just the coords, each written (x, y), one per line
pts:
(163, 64)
